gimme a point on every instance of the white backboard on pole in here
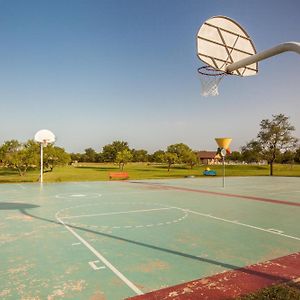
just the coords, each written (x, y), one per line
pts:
(221, 41)
(44, 136)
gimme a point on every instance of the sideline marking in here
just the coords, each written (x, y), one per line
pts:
(241, 224)
(116, 213)
(169, 187)
(102, 258)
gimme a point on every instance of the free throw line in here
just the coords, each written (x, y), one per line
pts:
(116, 213)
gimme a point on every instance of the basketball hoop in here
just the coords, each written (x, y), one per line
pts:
(210, 79)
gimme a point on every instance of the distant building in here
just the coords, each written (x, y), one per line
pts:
(208, 157)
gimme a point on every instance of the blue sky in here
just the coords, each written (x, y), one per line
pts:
(98, 71)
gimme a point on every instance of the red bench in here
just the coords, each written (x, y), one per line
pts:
(118, 175)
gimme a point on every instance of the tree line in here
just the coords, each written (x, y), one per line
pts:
(119, 152)
(274, 144)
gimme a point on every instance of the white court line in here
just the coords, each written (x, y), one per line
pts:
(116, 213)
(94, 266)
(241, 224)
(22, 187)
(102, 258)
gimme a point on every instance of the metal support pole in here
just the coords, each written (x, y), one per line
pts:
(289, 46)
(223, 171)
(41, 174)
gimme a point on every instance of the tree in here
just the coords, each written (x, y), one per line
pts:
(123, 157)
(76, 157)
(109, 152)
(287, 157)
(180, 149)
(274, 137)
(251, 152)
(55, 156)
(90, 155)
(190, 158)
(20, 156)
(297, 155)
(170, 159)
(158, 156)
(139, 155)
(235, 156)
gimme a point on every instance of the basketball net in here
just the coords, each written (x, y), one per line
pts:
(210, 79)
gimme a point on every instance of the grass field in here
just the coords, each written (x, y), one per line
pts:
(97, 171)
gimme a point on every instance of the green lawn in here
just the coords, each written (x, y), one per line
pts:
(97, 171)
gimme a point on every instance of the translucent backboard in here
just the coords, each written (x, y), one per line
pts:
(221, 41)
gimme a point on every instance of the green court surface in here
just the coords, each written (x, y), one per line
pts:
(112, 240)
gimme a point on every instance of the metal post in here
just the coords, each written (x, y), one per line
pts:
(41, 174)
(289, 46)
(223, 171)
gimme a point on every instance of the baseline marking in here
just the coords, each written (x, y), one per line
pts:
(103, 259)
(241, 224)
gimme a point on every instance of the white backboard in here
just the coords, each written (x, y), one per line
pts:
(44, 136)
(221, 41)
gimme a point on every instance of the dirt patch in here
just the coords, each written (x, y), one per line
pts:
(152, 266)
(66, 288)
(19, 217)
(98, 296)
(5, 292)
(22, 268)
(7, 238)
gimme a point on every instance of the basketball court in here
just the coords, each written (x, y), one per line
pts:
(113, 240)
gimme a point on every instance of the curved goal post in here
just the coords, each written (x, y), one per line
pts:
(289, 46)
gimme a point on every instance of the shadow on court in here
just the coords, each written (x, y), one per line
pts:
(16, 206)
(157, 248)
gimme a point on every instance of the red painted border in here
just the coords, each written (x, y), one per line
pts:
(168, 187)
(232, 284)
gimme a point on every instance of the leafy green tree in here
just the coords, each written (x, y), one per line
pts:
(76, 157)
(157, 156)
(274, 137)
(297, 155)
(8, 148)
(181, 150)
(190, 158)
(55, 156)
(252, 152)
(109, 152)
(20, 156)
(123, 157)
(235, 156)
(139, 155)
(287, 157)
(90, 155)
(170, 159)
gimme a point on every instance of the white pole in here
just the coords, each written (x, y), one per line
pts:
(223, 171)
(41, 174)
(289, 46)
